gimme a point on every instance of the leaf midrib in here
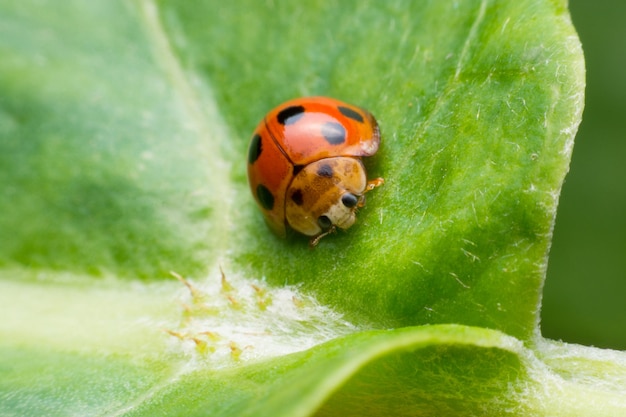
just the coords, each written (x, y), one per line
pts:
(201, 107)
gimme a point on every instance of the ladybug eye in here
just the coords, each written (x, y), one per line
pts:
(349, 200)
(324, 222)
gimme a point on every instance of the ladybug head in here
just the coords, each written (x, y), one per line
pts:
(326, 194)
(342, 212)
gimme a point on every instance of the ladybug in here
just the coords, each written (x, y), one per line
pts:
(304, 165)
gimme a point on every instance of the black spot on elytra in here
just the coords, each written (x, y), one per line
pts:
(255, 149)
(290, 115)
(265, 197)
(334, 133)
(325, 171)
(352, 114)
(297, 197)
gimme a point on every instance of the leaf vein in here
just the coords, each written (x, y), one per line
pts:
(450, 85)
(201, 107)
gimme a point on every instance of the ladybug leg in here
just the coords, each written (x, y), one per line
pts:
(376, 182)
(316, 239)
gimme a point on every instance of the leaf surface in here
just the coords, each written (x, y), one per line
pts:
(123, 133)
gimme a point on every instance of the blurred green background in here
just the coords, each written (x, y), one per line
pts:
(585, 292)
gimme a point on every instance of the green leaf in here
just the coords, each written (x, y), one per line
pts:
(97, 146)
(133, 136)
(123, 135)
(346, 370)
(475, 147)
